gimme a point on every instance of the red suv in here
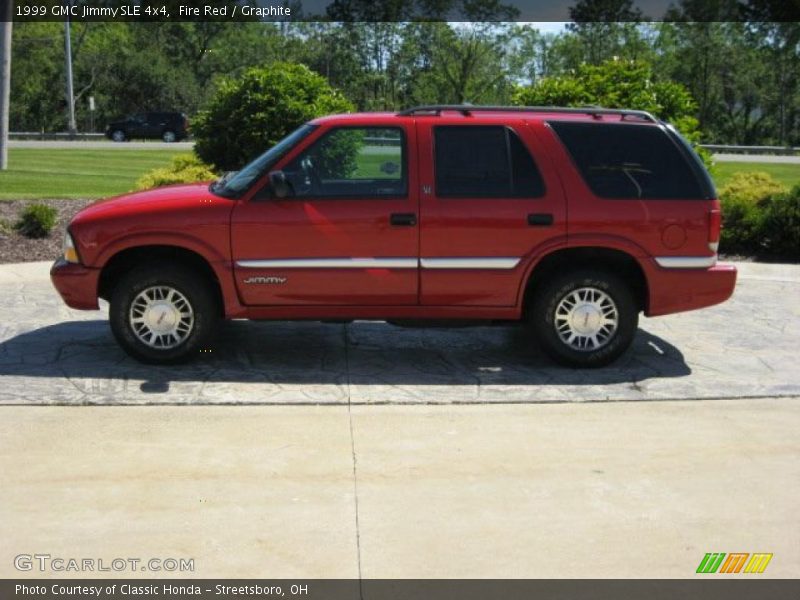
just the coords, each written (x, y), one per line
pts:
(569, 220)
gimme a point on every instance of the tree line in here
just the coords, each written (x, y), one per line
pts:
(743, 77)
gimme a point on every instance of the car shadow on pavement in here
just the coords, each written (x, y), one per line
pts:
(314, 353)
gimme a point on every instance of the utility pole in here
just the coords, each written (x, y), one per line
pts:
(5, 79)
(71, 127)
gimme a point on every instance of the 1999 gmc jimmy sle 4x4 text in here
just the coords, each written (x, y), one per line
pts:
(569, 220)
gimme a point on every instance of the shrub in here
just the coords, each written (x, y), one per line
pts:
(743, 200)
(36, 221)
(185, 168)
(336, 157)
(250, 114)
(752, 186)
(780, 224)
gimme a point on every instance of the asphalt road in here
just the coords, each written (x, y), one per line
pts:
(321, 450)
(763, 158)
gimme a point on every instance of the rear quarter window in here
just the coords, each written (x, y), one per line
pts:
(630, 161)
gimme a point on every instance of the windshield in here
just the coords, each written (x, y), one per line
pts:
(236, 183)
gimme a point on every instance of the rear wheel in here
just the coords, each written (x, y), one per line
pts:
(585, 318)
(163, 316)
(169, 136)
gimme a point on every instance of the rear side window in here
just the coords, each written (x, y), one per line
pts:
(484, 162)
(629, 161)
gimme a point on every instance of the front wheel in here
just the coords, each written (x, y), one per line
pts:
(169, 136)
(585, 318)
(162, 316)
(118, 135)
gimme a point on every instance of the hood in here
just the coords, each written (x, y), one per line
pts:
(166, 198)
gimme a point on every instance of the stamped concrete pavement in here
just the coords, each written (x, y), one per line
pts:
(746, 347)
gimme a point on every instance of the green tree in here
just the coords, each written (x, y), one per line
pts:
(694, 54)
(780, 44)
(446, 64)
(37, 77)
(607, 29)
(252, 112)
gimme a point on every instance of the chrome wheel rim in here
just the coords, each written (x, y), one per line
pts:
(161, 317)
(586, 319)
(169, 137)
(118, 136)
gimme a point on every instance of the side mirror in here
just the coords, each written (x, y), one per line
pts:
(279, 185)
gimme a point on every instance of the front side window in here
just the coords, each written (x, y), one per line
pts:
(351, 162)
(629, 161)
(476, 161)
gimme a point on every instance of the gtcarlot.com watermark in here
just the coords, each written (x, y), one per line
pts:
(45, 563)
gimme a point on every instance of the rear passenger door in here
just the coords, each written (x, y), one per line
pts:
(490, 200)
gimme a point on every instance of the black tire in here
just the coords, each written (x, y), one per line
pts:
(542, 318)
(119, 136)
(196, 291)
(169, 136)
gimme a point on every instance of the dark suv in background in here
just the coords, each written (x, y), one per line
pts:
(168, 126)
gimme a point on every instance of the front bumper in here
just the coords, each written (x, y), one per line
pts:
(76, 284)
(679, 290)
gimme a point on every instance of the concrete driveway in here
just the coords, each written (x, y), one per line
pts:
(376, 452)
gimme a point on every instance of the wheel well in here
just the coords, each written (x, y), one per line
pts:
(615, 261)
(124, 261)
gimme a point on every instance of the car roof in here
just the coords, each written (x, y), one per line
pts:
(491, 114)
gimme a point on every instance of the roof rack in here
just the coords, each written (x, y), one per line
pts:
(468, 109)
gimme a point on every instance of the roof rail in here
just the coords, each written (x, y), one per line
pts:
(468, 109)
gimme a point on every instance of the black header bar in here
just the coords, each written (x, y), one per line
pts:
(399, 11)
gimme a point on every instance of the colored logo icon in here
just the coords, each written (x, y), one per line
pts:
(736, 562)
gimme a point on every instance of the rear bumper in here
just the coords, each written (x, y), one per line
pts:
(679, 290)
(76, 284)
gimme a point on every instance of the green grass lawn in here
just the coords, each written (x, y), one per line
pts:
(67, 173)
(787, 174)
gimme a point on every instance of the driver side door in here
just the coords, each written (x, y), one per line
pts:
(345, 234)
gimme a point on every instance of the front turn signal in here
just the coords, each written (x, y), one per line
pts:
(70, 253)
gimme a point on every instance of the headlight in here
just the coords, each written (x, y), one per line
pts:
(70, 254)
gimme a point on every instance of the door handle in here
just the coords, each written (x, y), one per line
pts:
(540, 219)
(403, 219)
